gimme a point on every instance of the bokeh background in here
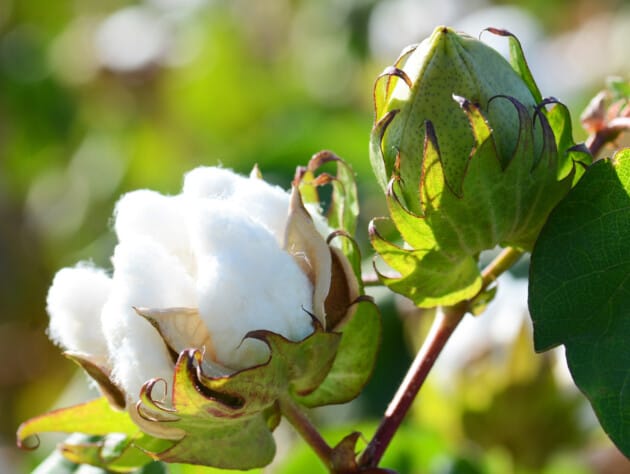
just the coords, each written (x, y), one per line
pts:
(98, 98)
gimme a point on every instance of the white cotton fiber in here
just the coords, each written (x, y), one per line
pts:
(246, 282)
(74, 304)
(264, 203)
(145, 275)
(211, 182)
(152, 215)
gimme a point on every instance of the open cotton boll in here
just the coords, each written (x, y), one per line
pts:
(74, 304)
(152, 215)
(246, 282)
(145, 275)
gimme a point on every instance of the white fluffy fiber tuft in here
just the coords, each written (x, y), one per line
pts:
(211, 182)
(246, 282)
(264, 203)
(145, 275)
(74, 304)
(151, 215)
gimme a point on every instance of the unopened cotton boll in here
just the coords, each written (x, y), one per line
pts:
(74, 304)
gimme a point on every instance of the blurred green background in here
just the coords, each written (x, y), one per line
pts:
(98, 98)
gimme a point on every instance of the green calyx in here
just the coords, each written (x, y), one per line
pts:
(470, 158)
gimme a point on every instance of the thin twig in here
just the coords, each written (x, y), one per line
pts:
(596, 141)
(441, 330)
(307, 431)
(500, 264)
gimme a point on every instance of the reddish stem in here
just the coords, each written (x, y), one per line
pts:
(441, 330)
(307, 431)
(608, 134)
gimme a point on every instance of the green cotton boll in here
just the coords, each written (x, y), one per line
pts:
(443, 65)
(469, 157)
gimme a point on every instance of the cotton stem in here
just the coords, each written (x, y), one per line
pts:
(443, 326)
(306, 430)
(607, 134)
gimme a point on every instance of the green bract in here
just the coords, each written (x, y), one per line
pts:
(469, 157)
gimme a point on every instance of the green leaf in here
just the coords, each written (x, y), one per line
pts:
(119, 446)
(383, 167)
(480, 302)
(56, 463)
(579, 292)
(429, 279)
(114, 452)
(619, 88)
(345, 200)
(355, 358)
(95, 417)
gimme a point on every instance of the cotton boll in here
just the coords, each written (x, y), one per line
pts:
(246, 282)
(145, 275)
(74, 304)
(211, 182)
(152, 215)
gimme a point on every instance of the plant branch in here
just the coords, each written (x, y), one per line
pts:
(306, 430)
(597, 140)
(441, 330)
(443, 326)
(500, 264)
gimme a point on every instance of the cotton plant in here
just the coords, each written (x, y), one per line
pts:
(236, 303)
